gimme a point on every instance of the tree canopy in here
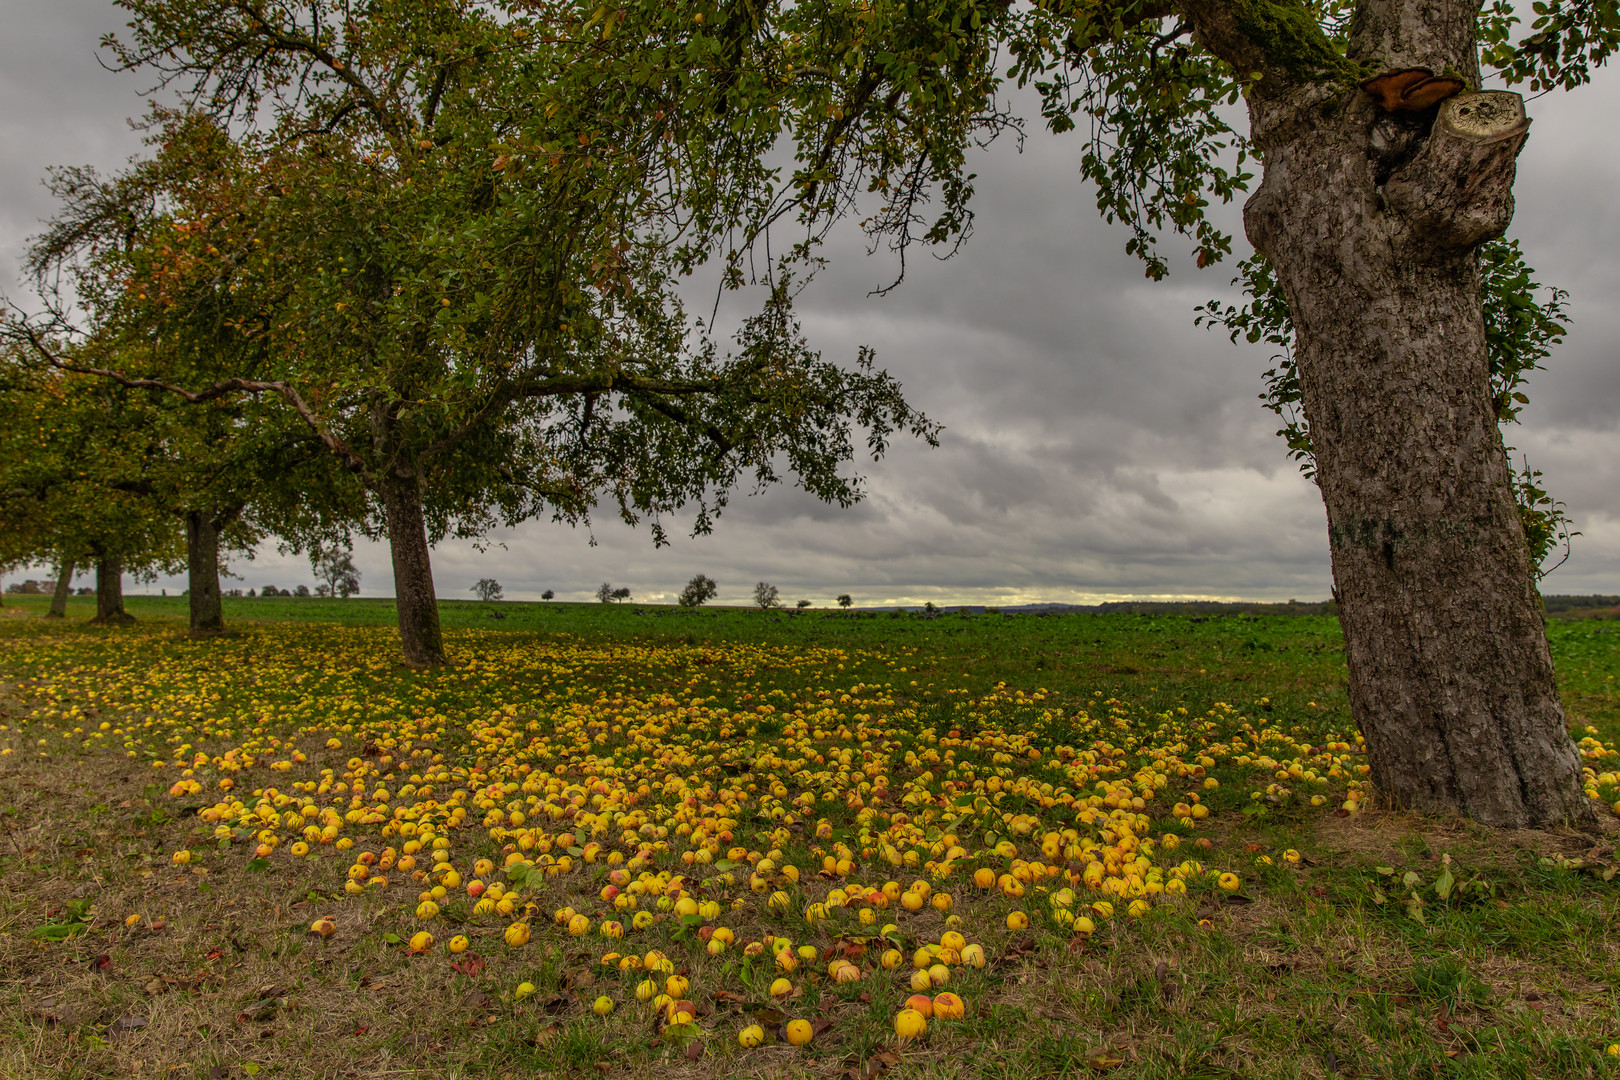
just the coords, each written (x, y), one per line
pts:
(450, 245)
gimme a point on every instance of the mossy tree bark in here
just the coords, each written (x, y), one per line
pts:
(202, 569)
(414, 597)
(110, 592)
(64, 588)
(1372, 219)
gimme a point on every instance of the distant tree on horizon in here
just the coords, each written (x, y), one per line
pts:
(698, 590)
(335, 568)
(844, 600)
(767, 596)
(488, 589)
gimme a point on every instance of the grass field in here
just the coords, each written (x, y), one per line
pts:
(1135, 823)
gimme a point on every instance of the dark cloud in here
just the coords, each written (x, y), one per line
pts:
(1097, 443)
(61, 107)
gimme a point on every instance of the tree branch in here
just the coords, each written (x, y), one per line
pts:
(1280, 40)
(218, 390)
(298, 43)
(679, 415)
(563, 386)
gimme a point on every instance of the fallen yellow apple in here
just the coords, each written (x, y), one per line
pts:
(910, 1024)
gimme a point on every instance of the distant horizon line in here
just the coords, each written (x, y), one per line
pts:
(903, 604)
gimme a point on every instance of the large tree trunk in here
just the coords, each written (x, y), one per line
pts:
(1372, 220)
(64, 587)
(414, 597)
(202, 568)
(110, 593)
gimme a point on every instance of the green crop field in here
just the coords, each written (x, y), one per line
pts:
(634, 841)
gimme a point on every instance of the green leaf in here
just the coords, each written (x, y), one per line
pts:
(258, 866)
(1443, 884)
(1385, 870)
(1414, 907)
(725, 864)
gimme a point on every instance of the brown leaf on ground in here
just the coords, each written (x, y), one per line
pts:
(1017, 950)
(50, 1011)
(544, 1035)
(124, 1027)
(694, 1050)
(874, 1066)
(472, 966)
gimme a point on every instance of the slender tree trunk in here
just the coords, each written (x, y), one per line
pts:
(202, 568)
(1372, 220)
(64, 587)
(414, 597)
(110, 593)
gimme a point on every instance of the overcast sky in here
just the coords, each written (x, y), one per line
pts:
(1097, 445)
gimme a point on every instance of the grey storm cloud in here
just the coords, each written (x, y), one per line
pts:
(1097, 444)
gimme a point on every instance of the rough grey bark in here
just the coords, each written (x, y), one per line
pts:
(110, 592)
(202, 568)
(414, 597)
(64, 586)
(1372, 220)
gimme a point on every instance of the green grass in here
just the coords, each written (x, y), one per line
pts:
(1325, 972)
(1158, 660)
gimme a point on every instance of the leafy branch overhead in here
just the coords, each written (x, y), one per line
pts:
(448, 240)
